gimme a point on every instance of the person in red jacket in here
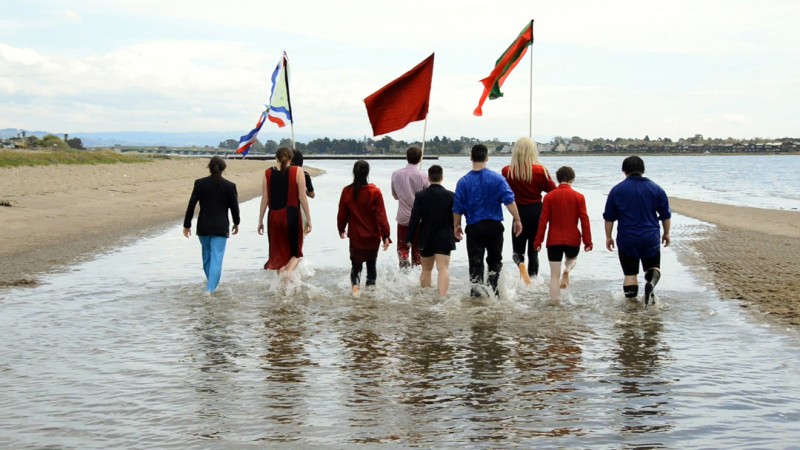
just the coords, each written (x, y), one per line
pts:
(562, 209)
(362, 215)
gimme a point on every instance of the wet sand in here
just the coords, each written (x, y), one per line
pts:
(64, 214)
(60, 215)
(751, 255)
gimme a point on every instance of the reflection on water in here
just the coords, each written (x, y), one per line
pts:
(98, 358)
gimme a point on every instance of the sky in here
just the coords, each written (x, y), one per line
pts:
(596, 69)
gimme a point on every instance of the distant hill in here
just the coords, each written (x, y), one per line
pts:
(151, 138)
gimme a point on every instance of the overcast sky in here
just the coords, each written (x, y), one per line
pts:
(600, 68)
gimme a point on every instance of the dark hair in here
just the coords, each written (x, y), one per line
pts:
(284, 157)
(413, 155)
(360, 174)
(435, 173)
(479, 153)
(216, 166)
(633, 165)
(565, 174)
(297, 158)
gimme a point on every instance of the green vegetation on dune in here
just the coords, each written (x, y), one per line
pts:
(20, 158)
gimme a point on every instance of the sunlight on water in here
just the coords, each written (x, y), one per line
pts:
(128, 351)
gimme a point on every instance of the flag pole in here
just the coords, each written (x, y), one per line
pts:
(530, 102)
(288, 95)
(424, 131)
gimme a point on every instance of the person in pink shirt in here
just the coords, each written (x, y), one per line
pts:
(406, 182)
(561, 210)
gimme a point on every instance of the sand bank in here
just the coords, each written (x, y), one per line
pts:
(63, 214)
(751, 254)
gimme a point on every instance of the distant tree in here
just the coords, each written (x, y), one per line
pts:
(646, 138)
(257, 147)
(51, 141)
(75, 143)
(232, 144)
(270, 147)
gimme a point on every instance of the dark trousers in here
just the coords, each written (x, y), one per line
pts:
(355, 272)
(529, 216)
(484, 238)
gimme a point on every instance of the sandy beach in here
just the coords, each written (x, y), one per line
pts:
(64, 214)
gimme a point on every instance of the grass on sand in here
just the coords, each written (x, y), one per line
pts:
(19, 158)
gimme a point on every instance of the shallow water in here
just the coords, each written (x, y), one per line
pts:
(127, 351)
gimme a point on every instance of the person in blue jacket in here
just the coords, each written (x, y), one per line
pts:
(638, 205)
(216, 196)
(479, 196)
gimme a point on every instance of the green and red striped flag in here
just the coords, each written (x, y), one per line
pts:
(504, 65)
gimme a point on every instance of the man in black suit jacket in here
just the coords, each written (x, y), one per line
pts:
(216, 196)
(433, 214)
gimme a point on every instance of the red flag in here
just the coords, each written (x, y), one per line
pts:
(402, 101)
(504, 65)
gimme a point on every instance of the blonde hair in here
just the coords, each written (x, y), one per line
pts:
(523, 157)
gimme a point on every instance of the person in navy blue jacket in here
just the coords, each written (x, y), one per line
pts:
(638, 204)
(216, 196)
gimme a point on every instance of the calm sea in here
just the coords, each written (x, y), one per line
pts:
(127, 351)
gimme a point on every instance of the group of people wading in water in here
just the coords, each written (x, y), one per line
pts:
(429, 220)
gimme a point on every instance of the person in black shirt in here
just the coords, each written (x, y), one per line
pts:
(433, 214)
(216, 196)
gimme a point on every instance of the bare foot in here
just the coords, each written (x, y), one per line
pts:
(356, 292)
(564, 280)
(523, 273)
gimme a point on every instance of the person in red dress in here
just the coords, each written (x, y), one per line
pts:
(562, 209)
(362, 218)
(528, 178)
(283, 192)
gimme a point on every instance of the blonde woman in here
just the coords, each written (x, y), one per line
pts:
(528, 178)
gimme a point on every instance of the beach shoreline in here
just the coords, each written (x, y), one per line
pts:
(61, 215)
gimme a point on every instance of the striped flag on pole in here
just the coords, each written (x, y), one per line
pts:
(246, 141)
(280, 106)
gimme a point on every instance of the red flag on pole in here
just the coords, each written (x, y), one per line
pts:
(402, 101)
(504, 65)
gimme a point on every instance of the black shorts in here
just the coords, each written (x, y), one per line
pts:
(557, 252)
(630, 264)
(429, 251)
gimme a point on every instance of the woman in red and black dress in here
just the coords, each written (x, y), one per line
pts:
(527, 178)
(363, 215)
(283, 191)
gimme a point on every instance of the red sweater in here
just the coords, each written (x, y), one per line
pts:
(363, 217)
(562, 209)
(529, 192)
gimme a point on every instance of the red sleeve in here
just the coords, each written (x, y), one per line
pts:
(550, 184)
(586, 229)
(343, 216)
(380, 214)
(545, 217)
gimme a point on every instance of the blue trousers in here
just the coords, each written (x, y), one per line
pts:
(213, 252)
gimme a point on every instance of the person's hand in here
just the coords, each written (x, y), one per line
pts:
(538, 248)
(665, 240)
(308, 227)
(261, 228)
(235, 229)
(342, 235)
(458, 232)
(407, 244)
(386, 243)
(187, 232)
(610, 244)
(588, 248)
(517, 228)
